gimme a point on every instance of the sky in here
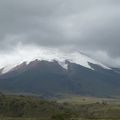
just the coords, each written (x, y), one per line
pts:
(88, 26)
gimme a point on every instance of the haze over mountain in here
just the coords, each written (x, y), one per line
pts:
(89, 26)
(29, 54)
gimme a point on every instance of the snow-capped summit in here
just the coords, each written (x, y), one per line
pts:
(11, 61)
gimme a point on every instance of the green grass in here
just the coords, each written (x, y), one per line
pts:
(38, 119)
(11, 118)
(74, 99)
(68, 108)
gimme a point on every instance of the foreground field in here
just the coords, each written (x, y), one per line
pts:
(75, 108)
(76, 99)
(50, 119)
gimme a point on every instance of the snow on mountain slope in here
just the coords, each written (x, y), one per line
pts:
(29, 54)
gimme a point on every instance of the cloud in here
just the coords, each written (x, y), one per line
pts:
(74, 25)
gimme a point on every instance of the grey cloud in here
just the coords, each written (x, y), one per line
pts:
(87, 25)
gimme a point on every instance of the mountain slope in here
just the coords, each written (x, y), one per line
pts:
(50, 78)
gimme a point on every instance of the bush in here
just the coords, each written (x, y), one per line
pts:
(61, 116)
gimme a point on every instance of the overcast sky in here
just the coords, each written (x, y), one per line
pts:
(90, 26)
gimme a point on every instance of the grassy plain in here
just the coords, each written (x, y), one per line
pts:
(20, 107)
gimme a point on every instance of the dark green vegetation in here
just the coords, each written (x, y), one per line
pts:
(49, 79)
(33, 108)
